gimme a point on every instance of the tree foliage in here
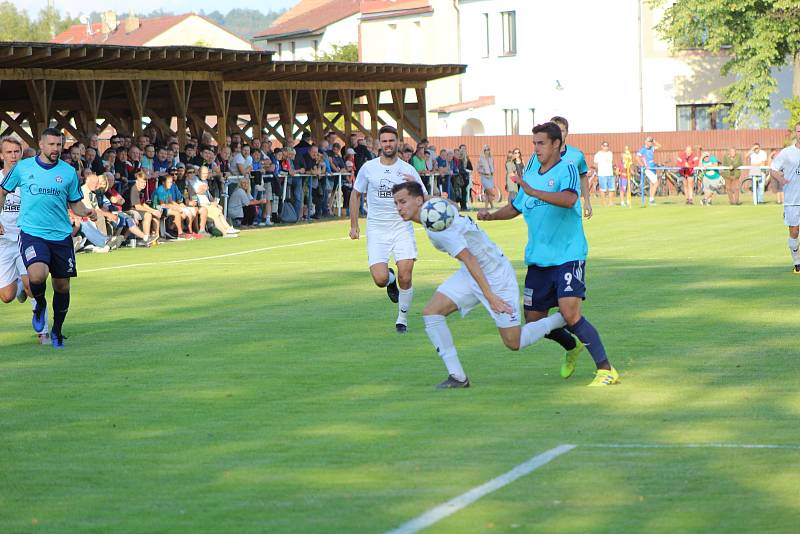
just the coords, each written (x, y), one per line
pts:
(346, 52)
(16, 24)
(757, 35)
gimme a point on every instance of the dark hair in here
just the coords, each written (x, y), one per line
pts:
(50, 131)
(189, 145)
(336, 145)
(413, 188)
(388, 129)
(408, 150)
(162, 179)
(122, 150)
(424, 141)
(561, 121)
(551, 129)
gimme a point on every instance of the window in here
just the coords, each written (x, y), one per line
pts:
(509, 19)
(293, 50)
(702, 116)
(280, 50)
(512, 121)
(533, 117)
(485, 42)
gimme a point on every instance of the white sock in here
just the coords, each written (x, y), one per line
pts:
(793, 248)
(439, 334)
(45, 330)
(533, 332)
(404, 304)
(20, 287)
(392, 277)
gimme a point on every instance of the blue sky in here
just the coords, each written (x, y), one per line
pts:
(75, 7)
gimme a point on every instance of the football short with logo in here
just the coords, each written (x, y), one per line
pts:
(11, 264)
(545, 285)
(791, 215)
(465, 292)
(58, 255)
(384, 241)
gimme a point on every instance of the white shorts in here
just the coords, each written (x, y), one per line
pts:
(464, 291)
(383, 242)
(791, 215)
(11, 264)
(651, 175)
(187, 210)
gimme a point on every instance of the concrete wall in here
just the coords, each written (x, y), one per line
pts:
(339, 33)
(195, 31)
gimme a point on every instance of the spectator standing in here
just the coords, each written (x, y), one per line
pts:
(511, 176)
(712, 180)
(687, 162)
(626, 174)
(757, 159)
(604, 163)
(647, 161)
(733, 160)
(486, 172)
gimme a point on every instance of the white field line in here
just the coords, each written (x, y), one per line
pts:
(465, 499)
(689, 446)
(215, 257)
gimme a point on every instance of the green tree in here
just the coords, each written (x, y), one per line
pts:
(14, 24)
(346, 52)
(755, 35)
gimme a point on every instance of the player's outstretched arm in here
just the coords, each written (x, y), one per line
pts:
(562, 199)
(3, 194)
(497, 304)
(778, 175)
(587, 200)
(503, 214)
(355, 203)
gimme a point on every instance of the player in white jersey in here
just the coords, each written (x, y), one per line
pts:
(13, 275)
(387, 233)
(786, 170)
(485, 277)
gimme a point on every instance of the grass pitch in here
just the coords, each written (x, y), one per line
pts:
(257, 385)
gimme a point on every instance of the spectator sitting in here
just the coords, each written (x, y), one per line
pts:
(138, 202)
(93, 162)
(242, 206)
(148, 157)
(200, 190)
(122, 224)
(167, 199)
(161, 164)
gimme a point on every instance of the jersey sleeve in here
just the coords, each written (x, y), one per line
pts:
(450, 241)
(569, 179)
(11, 181)
(361, 182)
(778, 162)
(519, 200)
(74, 193)
(582, 167)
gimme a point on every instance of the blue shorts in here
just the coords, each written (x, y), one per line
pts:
(545, 285)
(58, 255)
(606, 183)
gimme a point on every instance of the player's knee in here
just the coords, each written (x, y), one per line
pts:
(5, 299)
(431, 309)
(571, 317)
(512, 344)
(404, 279)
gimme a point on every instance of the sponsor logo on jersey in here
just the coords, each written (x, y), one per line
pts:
(34, 189)
(385, 188)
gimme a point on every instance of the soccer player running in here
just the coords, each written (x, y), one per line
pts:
(785, 169)
(486, 277)
(574, 156)
(556, 251)
(13, 276)
(48, 189)
(387, 233)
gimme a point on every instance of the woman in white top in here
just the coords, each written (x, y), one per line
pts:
(486, 171)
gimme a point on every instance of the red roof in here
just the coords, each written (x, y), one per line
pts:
(382, 6)
(310, 16)
(148, 30)
(463, 106)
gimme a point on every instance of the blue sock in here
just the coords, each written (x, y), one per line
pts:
(588, 335)
(60, 308)
(38, 294)
(563, 338)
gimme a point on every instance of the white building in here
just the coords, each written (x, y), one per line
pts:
(311, 28)
(600, 64)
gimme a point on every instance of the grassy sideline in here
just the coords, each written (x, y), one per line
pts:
(267, 392)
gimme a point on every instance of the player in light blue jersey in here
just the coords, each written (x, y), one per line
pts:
(574, 156)
(48, 189)
(556, 251)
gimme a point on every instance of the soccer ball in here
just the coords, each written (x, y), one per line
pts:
(437, 214)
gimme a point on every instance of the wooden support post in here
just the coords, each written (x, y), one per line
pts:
(137, 91)
(181, 91)
(91, 93)
(257, 103)
(372, 106)
(399, 104)
(422, 111)
(40, 93)
(15, 125)
(288, 109)
(346, 104)
(222, 104)
(318, 99)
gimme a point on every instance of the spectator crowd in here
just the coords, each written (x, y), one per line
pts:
(149, 190)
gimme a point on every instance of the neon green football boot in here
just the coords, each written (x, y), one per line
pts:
(570, 358)
(605, 377)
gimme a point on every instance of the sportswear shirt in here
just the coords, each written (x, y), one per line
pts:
(376, 180)
(462, 234)
(788, 162)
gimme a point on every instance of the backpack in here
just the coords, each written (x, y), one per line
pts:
(288, 213)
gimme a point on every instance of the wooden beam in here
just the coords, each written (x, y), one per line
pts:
(222, 101)
(399, 101)
(40, 93)
(373, 97)
(318, 97)
(346, 104)
(257, 103)
(64, 123)
(181, 91)
(91, 94)
(232, 85)
(109, 74)
(422, 111)
(137, 92)
(288, 109)
(15, 124)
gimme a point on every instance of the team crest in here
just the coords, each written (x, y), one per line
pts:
(58, 179)
(551, 183)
